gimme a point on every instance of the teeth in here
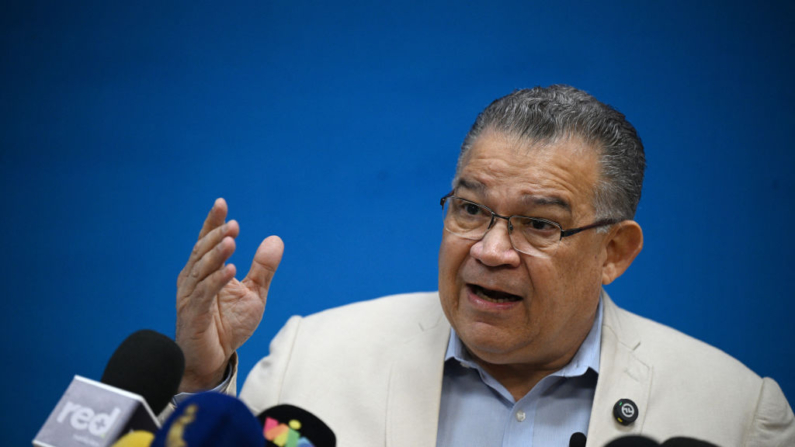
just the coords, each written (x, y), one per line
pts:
(480, 292)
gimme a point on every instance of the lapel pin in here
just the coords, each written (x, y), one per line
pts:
(625, 411)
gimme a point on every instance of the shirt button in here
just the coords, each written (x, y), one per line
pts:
(520, 416)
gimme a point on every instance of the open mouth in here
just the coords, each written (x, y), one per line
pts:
(494, 296)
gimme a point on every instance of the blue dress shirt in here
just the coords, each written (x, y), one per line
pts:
(476, 410)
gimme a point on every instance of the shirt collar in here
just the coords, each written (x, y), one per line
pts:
(587, 356)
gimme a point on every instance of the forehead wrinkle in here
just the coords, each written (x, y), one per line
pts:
(529, 199)
(539, 181)
(470, 184)
(536, 200)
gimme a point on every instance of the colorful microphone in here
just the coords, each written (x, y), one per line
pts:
(290, 426)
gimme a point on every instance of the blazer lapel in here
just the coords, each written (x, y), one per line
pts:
(415, 385)
(622, 375)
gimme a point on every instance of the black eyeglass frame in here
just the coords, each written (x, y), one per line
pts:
(563, 233)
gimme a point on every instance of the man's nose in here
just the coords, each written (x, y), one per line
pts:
(495, 248)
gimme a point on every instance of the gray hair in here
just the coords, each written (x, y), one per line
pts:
(558, 112)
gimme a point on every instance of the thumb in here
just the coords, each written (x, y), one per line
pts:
(266, 261)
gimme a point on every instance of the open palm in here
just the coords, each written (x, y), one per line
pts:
(216, 313)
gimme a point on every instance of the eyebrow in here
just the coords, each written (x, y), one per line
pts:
(548, 201)
(536, 200)
(472, 185)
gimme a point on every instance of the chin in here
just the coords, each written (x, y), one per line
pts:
(487, 342)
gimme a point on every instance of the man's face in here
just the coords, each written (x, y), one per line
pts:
(552, 301)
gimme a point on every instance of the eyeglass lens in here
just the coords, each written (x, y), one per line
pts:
(528, 235)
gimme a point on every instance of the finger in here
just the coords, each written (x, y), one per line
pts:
(189, 276)
(266, 261)
(215, 218)
(213, 260)
(210, 287)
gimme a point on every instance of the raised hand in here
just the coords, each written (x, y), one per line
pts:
(216, 313)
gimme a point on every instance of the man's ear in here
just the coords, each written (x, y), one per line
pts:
(623, 244)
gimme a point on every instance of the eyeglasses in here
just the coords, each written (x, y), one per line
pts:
(529, 235)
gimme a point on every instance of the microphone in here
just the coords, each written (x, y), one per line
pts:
(289, 426)
(97, 414)
(680, 441)
(577, 440)
(149, 364)
(138, 438)
(210, 419)
(633, 441)
(642, 441)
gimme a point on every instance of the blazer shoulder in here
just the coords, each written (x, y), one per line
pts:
(667, 349)
(350, 366)
(697, 390)
(394, 314)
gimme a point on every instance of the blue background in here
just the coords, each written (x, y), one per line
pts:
(337, 127)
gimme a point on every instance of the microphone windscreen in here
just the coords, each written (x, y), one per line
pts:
(210, 420)
(149, 364)
(686, 442)
(138, 438)
(288, 425)
(633, 441)
(577, 440)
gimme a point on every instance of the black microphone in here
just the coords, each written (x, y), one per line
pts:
(633, 441)
(681, 441)
(289, 426)
(149, 364)
(97, 414)
(577, 440)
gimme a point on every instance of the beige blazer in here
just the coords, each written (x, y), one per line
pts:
(373, 372)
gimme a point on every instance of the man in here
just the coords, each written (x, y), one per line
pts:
(521, 346)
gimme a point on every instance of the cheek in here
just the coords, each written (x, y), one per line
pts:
(581, 278)
(445, 261)
(588, 268)
(452, 254)
(446, 278)
(561, 277)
